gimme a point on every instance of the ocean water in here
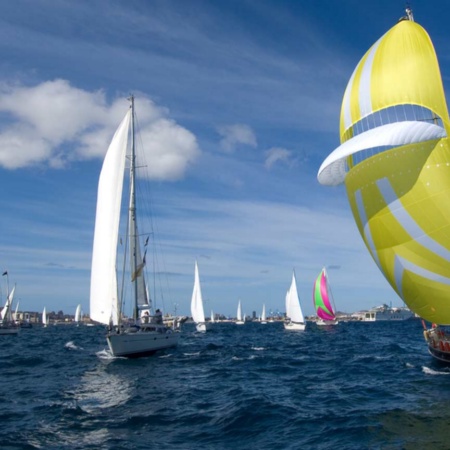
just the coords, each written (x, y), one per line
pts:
(354, 386)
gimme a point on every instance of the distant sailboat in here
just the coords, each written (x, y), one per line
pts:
(239, 319)
(8, 325)
(138, 336)
(44, 317)
(198, 314)
(263, 314)
(78, 315)
(212, 317)
(16, 313)
(294, 315)
(322, 299)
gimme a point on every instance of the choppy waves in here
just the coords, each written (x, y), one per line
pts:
(355, 386)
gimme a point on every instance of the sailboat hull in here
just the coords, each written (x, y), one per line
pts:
(438, 342)
(294, 326)
(325, 323)
(9, 330)
(134, 344)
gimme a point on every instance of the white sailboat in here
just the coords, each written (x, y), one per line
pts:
(263, 314)
(212, 317)
(44, 317)
(239, 319)
(197, 312)
(7, 324)
(78, 315)
(125, 338)
(295, 320)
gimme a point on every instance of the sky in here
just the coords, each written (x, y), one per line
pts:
(240, 104)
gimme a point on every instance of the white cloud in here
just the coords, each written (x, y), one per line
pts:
(54, 123)
(276, 154)
(233, 135)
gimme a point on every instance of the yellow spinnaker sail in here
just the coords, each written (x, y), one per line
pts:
(397, 174)
(400, 68)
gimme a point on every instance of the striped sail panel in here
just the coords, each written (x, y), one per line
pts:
(321, 298)
(103, 295)
(401, 68)
(400, 202)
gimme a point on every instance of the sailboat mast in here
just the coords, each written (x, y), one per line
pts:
(132, 215)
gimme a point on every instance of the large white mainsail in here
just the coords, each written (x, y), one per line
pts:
(104, 295)
(198, 314)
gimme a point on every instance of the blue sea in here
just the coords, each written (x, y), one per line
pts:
(354, 386)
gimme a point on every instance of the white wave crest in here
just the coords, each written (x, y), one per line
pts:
(429, 371)
(72, 346)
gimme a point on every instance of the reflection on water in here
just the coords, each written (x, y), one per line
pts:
(100, 389)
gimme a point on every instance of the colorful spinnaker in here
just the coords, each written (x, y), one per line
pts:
(394, 159)
(322, 299)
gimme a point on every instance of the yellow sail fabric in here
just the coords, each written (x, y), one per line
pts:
(399, 185)
(400, 200)
(400, 68)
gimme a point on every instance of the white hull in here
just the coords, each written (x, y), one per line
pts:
(325, 323)
(294, 326)
(134, 342)
(7, 330)
(240, 322)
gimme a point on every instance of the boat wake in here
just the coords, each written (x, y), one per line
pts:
(429, 371)
(191, 354)
(106, 354)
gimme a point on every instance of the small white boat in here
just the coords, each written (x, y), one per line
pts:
(78, 315)
(263, 314)
(197, 311)
(239, 319)
(294, 315)
(8, 326)
(44, 317)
